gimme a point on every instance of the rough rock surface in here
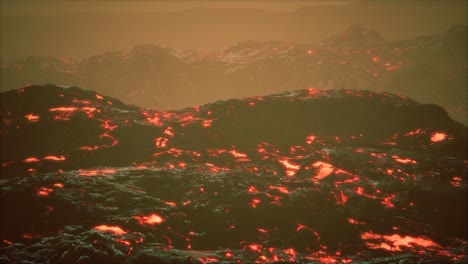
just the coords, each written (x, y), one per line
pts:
(310, 176)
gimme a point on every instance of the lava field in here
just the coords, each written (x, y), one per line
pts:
(307, 176)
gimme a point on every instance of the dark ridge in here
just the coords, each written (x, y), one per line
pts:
(71, 118)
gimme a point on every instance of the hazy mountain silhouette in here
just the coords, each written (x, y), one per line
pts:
(78, 35)
(431, 69)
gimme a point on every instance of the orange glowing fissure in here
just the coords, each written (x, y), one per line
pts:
(96, 172)
(151, 219)
(72, 109)
(439, 136)
(395, 242)
(49, 157)
(324, 169)
(291, 168)
(355, 222)
(110, 229)
(32, 159)
(340, 199)
(415, 132)
(66, 111)
(404, 160)
(255, 202)
(32, 117)
(54, 158)
(237, 154)
(44, 191)
(456, 181)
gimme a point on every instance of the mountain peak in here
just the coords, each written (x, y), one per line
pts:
(356, 36)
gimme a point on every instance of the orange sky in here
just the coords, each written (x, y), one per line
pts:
(77, 6)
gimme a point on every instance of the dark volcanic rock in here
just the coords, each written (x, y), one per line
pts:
(310, 176)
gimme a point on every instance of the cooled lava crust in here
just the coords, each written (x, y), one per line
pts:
(311, 176)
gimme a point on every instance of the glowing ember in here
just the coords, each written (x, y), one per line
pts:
(386, 201)
(255, 202)
(324, 169)
(328, 260)
(54, 158)
(63, 109)
(44, 191)
(206, 123)
(155, 119)
(455, 182)
(32, 117)
(342, 198)
(237, 154)
(110, 229)
(170, 203)
(214, 168)
(291, 168)
(65, 112)
(160, 142)
(355, 222)
(310, 139)
(395, 242)
(255, 247)
(151, 219)
(415, 132)
(404, 161)
(439, 136)
(32, 159)
(89, 148)
(252, 189)
(81, 101)
(300, 227)
(169, 131)
(125, 242)
(96, 172)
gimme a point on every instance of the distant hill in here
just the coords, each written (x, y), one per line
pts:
(79, 35)
(431, 69)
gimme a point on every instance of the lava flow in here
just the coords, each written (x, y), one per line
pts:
(311, 176)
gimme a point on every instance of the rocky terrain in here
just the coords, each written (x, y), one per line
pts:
(307, 176)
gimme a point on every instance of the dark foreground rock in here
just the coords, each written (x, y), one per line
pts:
(304, 177)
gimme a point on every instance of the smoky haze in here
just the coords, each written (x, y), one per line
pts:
(75, 29)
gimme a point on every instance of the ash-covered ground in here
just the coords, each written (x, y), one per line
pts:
(311, 176)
